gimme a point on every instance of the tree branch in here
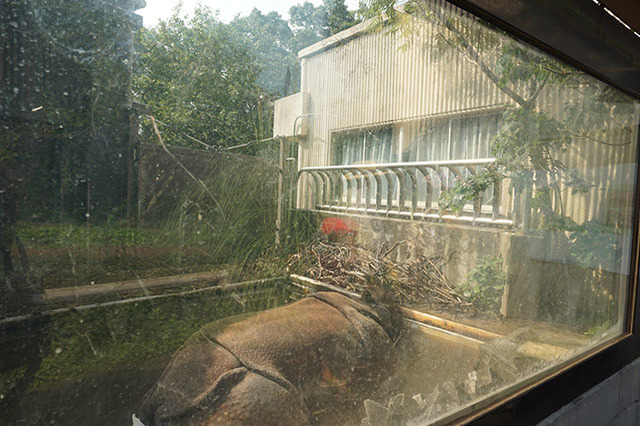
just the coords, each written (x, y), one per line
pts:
(563, 73)
(537, 91)
(600, 141)
(475, 56)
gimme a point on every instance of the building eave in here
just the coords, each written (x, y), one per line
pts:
(334, 40)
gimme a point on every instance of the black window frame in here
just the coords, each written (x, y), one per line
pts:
(583, 34)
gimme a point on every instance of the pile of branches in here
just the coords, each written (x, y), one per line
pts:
(415, 280)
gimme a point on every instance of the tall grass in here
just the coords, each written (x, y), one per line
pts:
(229, 216)
(117, 337)
(224, 218)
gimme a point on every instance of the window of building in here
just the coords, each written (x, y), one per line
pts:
(364, 146)
(441, 139)
(455, 138)
(460, 137)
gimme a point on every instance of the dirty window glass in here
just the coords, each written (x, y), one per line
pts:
(300, 214)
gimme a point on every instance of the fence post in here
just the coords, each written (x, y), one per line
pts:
(280, 190)
(131, 154)
(134, 174)
(522, 205)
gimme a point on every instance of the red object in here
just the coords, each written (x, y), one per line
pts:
(338, 226)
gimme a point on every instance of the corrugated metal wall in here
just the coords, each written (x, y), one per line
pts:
(379, 78)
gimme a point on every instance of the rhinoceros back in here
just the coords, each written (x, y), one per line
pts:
(270, 368)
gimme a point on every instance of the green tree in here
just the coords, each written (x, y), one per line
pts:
(313, 23)
(309, 24)
(338, 17)
(271, 42)
(201, 79)
(68, 107)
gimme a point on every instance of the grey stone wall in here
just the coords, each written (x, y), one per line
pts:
(543, 282)
(615, 402)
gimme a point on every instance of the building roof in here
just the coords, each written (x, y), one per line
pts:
(334, 40)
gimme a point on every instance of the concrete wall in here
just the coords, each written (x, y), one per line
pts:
(464, 245)
(546, 283)
(615, 402)
(543, 283)
(289, 115)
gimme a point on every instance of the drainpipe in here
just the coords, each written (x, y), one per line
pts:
(281, 161)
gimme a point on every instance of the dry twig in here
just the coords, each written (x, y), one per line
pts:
(417, 280)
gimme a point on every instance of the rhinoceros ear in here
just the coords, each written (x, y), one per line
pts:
(391, 319)
(380, 296)
(380, 290)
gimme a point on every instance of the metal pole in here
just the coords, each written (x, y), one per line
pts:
(280, 190)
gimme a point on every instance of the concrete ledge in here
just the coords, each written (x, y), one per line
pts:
(612, 402)
(627, 417)
(289, 116)
(122, 287)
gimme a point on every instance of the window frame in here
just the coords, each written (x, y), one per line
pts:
(600, 46)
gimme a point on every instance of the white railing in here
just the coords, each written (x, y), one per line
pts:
(409, 190)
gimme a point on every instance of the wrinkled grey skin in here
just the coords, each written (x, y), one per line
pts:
(276, 367)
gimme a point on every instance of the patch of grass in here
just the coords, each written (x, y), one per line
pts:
(65, 268)
(9, 379)
(72, 235)
(64, 255)
(115, 337)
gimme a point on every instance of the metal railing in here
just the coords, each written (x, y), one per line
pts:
(409, 190)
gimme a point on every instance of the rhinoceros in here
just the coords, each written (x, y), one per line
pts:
(283, 366)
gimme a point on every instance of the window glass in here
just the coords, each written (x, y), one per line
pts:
(364, 146)
(298, 215)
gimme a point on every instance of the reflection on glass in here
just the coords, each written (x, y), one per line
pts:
(245, 222)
